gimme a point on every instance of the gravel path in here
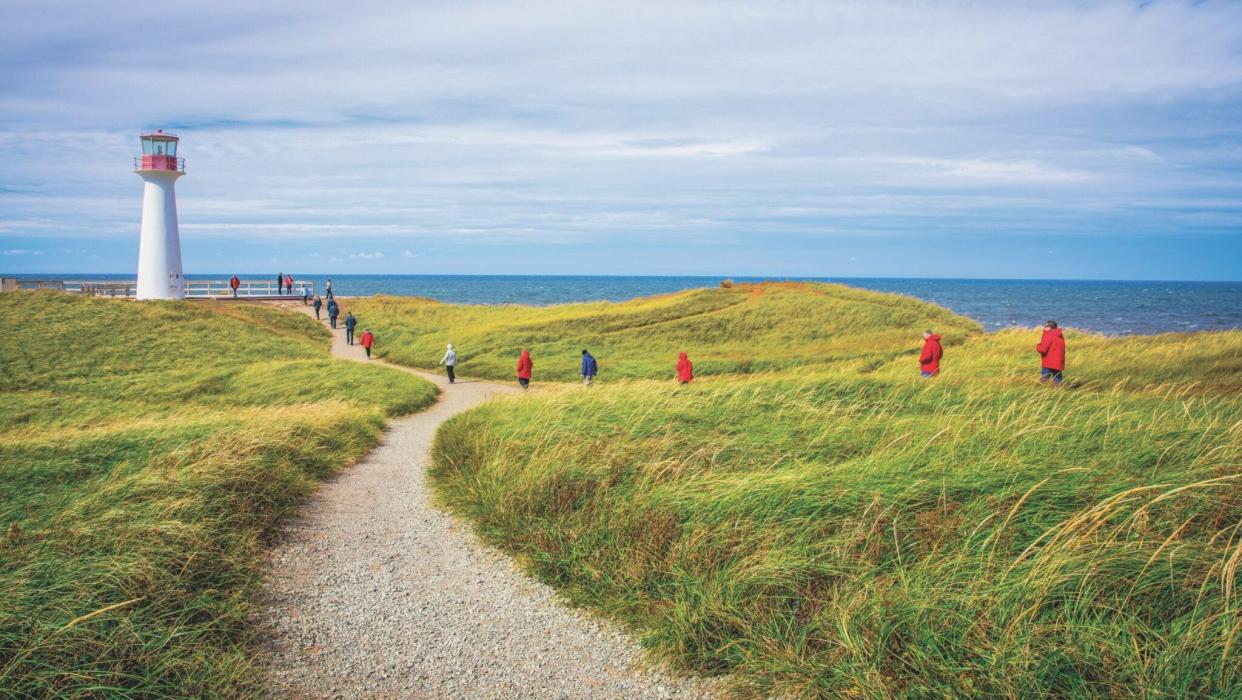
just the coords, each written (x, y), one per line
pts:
(374, 592)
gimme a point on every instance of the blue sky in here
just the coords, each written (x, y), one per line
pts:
(882, 138)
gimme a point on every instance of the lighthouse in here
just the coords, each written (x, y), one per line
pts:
(159, 250)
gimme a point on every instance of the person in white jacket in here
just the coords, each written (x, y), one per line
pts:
(450, 361)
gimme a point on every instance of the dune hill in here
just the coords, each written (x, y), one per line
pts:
(843, 528)
(146, 449)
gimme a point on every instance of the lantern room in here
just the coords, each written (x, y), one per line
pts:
(159, 152)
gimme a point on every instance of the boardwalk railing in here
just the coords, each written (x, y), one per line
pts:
(194, 289)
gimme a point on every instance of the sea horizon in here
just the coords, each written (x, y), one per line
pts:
(1111, 307)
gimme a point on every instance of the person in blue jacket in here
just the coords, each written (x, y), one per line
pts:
(333, 311)
(589, 368)
(350, 322)
(318, 306)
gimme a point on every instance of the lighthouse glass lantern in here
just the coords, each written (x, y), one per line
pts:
(159, 250)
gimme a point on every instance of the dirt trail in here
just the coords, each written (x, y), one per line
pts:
(374, 592)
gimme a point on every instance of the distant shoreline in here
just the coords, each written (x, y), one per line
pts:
(1111, 307)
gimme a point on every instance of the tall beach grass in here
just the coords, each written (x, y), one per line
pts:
(146, 451)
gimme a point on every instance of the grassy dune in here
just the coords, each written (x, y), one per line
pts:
(146, 449)
(851, 530)
(745, 329)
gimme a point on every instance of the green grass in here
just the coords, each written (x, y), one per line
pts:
(844, 529)
(146, 452)
(745, 329)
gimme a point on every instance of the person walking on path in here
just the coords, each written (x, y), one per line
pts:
(329, 288)
(367, 341)
(1052, 349)
(333, 311)
(450, 363)
(234, 284)
(289, 283)
(524, 367)
(305, 294)
(350, 324)
(929, 359)
(318, 304)
(589, 368)
(685, 368)
(280, 283)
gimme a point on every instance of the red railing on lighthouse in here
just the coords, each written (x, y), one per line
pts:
(169, 163)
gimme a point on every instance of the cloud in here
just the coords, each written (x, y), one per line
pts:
(592, 126)
(15, 252)
(408, 254)
(366, 256)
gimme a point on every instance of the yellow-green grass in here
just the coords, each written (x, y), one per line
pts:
(146, 451)
(846, 529)
(744, 329)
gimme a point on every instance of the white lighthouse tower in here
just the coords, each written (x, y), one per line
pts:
(159, 252)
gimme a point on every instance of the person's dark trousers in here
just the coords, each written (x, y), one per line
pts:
(329, 293)
(316, 314)
(333, 320)
(349, 336)
(368, 352)
(452, 377)
(234, 293)
(524, 382)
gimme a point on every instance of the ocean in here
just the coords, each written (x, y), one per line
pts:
(1111, 307)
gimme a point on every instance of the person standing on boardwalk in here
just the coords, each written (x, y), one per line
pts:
(350, 324)
(280, 283)
(305, 294)
(450, 362)
(289, 283)
(524, 367)
(318, 304)
(234, 284)
(333, 312)
(329, 288)
(1052, 349)
(685, 368)
(929, 359)
(367, 341)
(589, 368)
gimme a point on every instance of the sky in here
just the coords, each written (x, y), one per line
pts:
(787, 138)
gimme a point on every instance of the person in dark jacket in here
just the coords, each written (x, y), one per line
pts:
(590, 368)
(333, 312)
(1052, 349)
(234, 284)
(685, 368)
(524, 368)
(929, 359)
(350, 324)
(368, 339)
(280, 283)
(318, 305)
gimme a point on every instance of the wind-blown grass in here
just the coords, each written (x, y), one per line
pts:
(146, 449)
(740, 330)
(849, 530)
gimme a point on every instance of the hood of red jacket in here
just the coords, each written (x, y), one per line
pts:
(681, 356)
(934, 336)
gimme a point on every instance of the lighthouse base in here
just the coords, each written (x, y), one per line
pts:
(159, 251)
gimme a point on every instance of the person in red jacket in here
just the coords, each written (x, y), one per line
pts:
(524, 367)
(367, 341)
(929, 360)
(685, 368)
(1052, 348)
(234, 283)
(289, 283)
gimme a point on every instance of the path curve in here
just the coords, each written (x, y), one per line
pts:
(374, 592)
